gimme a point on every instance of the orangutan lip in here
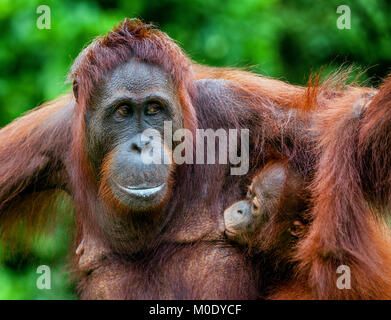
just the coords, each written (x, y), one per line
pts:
(229, 233)
(141, 191)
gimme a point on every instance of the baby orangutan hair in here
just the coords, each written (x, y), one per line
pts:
(272, 217)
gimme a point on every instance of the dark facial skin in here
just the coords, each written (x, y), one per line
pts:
(133, 98)
(268, 195)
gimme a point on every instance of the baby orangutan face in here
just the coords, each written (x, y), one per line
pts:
(275, 194)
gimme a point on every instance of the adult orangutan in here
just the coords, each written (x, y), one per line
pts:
(160, 226)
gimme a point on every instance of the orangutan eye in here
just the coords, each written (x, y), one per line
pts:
(153, 108)
(124, 111)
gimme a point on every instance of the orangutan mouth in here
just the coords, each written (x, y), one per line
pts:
(141, 191)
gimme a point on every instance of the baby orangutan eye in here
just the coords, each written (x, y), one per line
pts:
(256, 204)
(297, 228)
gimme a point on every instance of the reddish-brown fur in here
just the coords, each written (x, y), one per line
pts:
(31, 147)
(350, 196)
(350, 193)
(45, 150)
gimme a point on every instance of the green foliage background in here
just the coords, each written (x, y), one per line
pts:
(280, 38)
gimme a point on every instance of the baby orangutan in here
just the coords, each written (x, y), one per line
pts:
(272, 217)
(269, 223)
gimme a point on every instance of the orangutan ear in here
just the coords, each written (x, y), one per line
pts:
(75, 88)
